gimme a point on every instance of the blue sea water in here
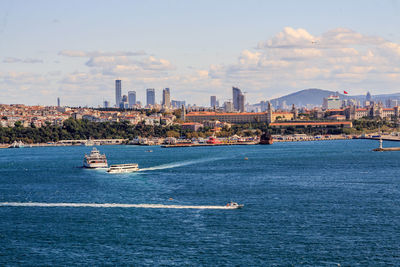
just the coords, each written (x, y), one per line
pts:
(306, 203)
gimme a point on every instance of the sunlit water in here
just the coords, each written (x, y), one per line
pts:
(306, 203)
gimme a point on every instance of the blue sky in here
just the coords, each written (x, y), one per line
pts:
(76, 49)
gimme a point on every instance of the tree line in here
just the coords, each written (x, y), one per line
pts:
(73, 129)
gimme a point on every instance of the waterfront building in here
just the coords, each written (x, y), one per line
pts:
(166, 100)
(242, 117)
(150, 97)
(372, 111)
(227, 117)
(213, 101)
(325, 124)
(117, 92)
(131, 98)
(332, 102)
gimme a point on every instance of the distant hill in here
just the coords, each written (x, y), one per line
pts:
(305, 97)
(314, 97)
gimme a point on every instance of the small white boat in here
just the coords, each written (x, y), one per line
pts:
(123, 168)
(16, 144)
(88, 143)
(234, 205)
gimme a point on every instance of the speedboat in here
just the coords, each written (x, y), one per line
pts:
(16, 144)
(234, 205)
(95, 160)
(123, 168)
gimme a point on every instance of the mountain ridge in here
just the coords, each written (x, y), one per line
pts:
(314, 97)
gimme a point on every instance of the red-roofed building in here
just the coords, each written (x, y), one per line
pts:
(242, 117)
(341, 124)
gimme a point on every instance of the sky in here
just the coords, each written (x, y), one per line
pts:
(76, 50)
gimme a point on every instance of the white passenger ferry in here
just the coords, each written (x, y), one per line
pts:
(123, 168)
(95, 160)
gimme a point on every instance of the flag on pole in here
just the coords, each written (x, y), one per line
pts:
(345, 92)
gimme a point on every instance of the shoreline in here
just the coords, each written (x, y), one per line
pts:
(280, 139)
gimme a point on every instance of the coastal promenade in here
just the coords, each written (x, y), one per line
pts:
(276, 138)
(384, 137)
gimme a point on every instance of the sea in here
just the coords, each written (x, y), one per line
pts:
(319, 203)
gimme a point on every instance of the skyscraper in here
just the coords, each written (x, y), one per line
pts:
(235, 97)
(124, 102)
(213, 101)
(238, 99)
(166, 102)
(177, 103)
(131, 98)
(106, 104)
(58, 102)
(241, 99)
(117, 93)
(150, 96)
(368, 97)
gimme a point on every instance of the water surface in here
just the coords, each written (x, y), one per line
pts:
(306, 203)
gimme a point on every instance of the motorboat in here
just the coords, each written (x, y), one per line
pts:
(95, 160)
(88, 143)
(123, 168)
(234, 205)
(16, 144)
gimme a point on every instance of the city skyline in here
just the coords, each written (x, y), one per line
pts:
(49, 51)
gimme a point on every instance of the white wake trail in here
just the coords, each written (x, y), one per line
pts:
(111, 205)
(179, 164)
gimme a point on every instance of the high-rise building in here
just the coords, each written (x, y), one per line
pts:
(332, 102)
(235, 97)
(228, 106)
(131, 98)
(150, 96)
(106, 104)
(117, 93)
(368, 97)
(238, 99)
(124, 102)
(177, 103)
(166, 99)
(58, 102)
(242, 100)
(213, 101)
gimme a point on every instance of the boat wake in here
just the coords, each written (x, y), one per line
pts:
(178, 164)
(111, 205)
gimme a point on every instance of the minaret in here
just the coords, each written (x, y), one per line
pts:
(269, 113)
(183, 115)
(295, 112)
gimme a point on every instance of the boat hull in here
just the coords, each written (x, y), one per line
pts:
(123, 171)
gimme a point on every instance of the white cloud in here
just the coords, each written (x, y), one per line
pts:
(22, 60)
(81, 53)
(296, 59)
(291, 60)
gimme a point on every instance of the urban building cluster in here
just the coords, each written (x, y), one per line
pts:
(39, 116)
(333, 112)
(130, 101)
